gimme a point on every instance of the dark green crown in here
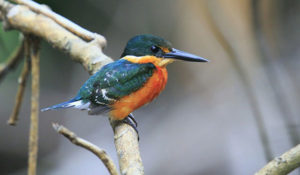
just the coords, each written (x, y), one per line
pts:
(147, 44)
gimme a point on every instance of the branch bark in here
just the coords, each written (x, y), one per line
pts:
(284, 164)
(127, 148)
(100, 153)
(89, 54)
(22, 84)
(34, 117)
(40, 21)
(69, 25)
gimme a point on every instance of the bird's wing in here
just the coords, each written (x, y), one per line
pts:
(115, 81)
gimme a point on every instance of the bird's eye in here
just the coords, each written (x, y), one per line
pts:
(154, 49)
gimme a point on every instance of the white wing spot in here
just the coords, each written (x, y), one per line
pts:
(80, 105)
(104, 91)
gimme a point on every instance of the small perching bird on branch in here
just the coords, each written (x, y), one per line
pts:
(136, 79)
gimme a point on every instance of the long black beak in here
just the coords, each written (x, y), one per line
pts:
(181, 55)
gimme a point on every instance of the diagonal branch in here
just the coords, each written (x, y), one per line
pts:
(246, 82)
(100, 153)
(284, 164)
(66, 23)
(13, 60)
(89, 54)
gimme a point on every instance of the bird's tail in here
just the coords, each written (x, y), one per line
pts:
(75, 103)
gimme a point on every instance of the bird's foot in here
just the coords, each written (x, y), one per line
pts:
(130, 120)
(133, 119)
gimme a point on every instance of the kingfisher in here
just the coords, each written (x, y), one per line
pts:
(134, 80)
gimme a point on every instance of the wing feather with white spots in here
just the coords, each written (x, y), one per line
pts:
(115, 81)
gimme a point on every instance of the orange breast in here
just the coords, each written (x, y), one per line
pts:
(144, 95)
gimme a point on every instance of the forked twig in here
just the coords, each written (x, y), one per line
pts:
(100, 153)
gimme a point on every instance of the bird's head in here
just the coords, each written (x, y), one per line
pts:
(150, 48)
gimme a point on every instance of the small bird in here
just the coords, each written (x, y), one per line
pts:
(134, 80)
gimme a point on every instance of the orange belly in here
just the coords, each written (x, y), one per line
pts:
(151, 89)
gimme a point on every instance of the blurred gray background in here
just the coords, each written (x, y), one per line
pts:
(210, 118)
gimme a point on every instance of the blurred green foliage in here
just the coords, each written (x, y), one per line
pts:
(8, 42)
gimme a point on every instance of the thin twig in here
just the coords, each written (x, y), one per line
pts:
(126, 138)
(13, 60)
(22, 84)
(100, 153)
(33, 135)
(284, 164)
(66, 23)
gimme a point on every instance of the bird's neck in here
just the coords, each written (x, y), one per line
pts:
(161, 62)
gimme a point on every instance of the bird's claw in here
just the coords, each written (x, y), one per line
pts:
(130, 120)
